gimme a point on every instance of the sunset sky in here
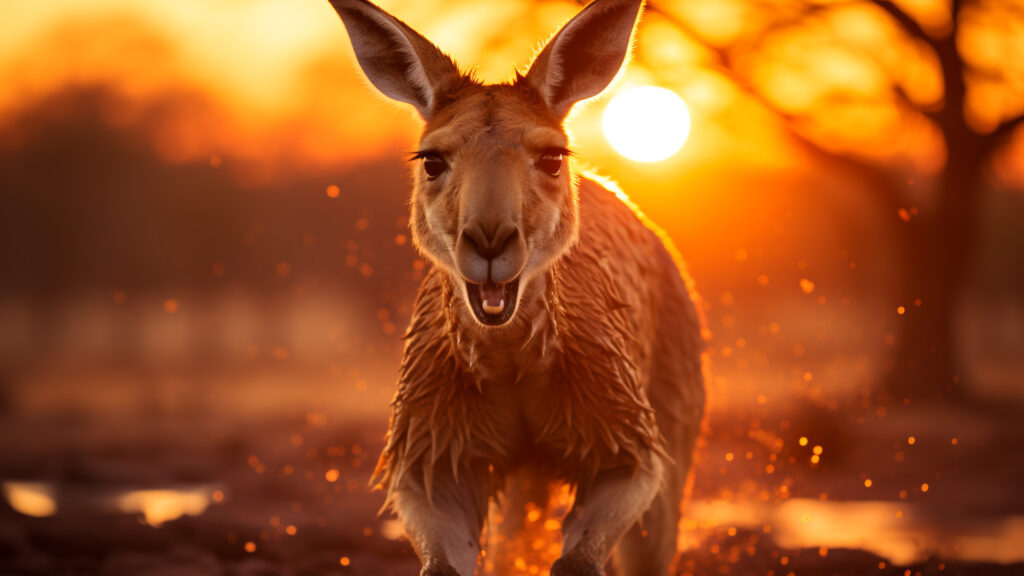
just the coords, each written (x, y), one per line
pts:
(208, 269)
(275, 71)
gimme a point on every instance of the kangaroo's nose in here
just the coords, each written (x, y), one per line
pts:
(490, 241)
(490, 251)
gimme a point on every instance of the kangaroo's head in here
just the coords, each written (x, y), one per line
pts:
(495, 202)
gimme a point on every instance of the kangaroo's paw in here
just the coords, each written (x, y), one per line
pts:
(438, 567)
(576, 564)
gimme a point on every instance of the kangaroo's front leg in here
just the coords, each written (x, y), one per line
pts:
(445, 530)
(605, 508)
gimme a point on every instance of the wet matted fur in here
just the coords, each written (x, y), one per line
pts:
(555, 336)
(608, 301)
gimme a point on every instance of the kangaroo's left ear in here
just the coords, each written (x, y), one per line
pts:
(585, 55)
(400, 62)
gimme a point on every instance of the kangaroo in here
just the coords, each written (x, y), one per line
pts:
(555, 336)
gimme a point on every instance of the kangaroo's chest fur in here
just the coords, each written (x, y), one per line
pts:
(570, 391)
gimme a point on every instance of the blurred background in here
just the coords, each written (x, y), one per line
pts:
(206, 272)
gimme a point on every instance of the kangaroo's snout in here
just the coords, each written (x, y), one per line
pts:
(490, 250)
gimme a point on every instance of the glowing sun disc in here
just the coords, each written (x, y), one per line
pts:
(646, 124)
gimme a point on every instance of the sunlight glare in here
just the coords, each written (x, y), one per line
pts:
(646, 124)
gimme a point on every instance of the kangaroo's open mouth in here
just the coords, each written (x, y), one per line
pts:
(493, 304)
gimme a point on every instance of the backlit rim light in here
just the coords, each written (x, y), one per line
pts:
(646, 124)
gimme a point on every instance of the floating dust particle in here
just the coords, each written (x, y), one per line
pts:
(806, 285)
(333, 191)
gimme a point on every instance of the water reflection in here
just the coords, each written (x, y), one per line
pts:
(897, 531)
(159, 506)
(31, 498)
(156, 505)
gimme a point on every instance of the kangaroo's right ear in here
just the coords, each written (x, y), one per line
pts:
(585, 55)
(398, 61)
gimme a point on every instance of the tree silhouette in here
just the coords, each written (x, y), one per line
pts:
(937, 242)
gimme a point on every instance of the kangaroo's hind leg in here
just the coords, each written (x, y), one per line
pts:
(649, 547)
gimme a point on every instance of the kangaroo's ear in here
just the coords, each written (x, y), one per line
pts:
(585, 55)
(398, 61)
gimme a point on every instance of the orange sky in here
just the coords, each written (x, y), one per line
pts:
(280, 81)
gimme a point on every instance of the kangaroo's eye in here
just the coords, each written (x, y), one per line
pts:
(434, 165)
(551, 162)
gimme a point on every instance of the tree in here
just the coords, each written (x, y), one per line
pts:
(939, 239)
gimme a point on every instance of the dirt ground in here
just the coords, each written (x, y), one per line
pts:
(290, 496)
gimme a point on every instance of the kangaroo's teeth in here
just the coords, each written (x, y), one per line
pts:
(492, 309)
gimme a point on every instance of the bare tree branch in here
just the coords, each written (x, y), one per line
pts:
(911, 26)
(999, 136)
(880, 179)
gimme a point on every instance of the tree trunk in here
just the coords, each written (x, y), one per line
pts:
(927, 366)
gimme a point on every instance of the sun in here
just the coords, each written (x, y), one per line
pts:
(646, 124)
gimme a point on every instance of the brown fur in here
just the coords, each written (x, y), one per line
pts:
(591, 374)
(610, 300)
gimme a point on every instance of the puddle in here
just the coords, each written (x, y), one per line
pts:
(897, 531)
(155, 505)
(34, 499)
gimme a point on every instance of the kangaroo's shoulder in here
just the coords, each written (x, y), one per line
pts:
(611, 224)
